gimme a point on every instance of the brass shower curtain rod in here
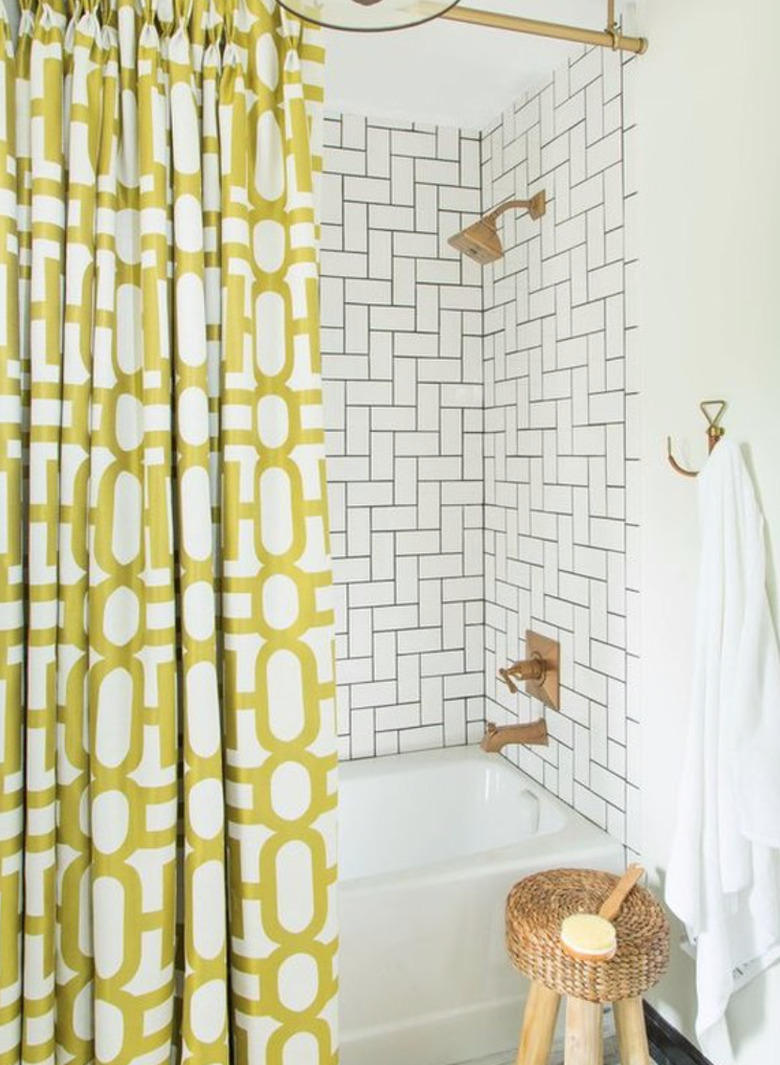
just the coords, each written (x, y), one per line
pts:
(608, 38)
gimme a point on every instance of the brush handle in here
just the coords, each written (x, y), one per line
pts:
(611, 907)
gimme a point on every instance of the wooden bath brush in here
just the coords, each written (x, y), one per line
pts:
(592, 937)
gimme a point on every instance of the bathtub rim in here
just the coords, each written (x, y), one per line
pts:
(575, 840)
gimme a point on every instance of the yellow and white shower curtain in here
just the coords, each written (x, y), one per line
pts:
(167, 750)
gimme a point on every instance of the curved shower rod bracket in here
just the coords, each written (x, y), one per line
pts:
(611, 37)
(613, 28)
(374, 16)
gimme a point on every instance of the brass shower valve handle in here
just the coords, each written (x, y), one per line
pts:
(503, 674)
(539, 670)
(534, 668)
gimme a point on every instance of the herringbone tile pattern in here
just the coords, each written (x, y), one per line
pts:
(482, 431)
(402, 364)
(560, 396)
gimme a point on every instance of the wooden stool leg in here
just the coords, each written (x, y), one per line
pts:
(584, 1033)
(631, 1032)
(541, 1013)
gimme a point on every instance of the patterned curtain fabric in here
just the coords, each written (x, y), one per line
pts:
(167, 780)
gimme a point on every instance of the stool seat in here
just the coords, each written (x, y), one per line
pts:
(535, 910)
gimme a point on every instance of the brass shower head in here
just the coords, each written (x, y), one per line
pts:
(481, 241)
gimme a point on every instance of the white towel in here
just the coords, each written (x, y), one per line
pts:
(723, 879)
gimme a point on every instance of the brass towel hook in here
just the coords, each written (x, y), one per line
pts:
(714, 433)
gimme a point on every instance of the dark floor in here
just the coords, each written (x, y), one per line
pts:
(610, 1057)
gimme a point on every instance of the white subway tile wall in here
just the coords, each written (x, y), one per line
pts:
(403, 380)
(560, 393)
(481, 430)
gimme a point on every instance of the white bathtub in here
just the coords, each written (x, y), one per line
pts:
(430, 844)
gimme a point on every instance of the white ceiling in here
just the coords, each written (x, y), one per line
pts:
(449, 73)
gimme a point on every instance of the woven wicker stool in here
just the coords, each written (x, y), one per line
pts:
(534, 912)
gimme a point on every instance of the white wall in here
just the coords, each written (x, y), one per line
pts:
(709, 180)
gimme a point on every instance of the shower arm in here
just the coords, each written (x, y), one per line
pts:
(536, 207)
(496, 213)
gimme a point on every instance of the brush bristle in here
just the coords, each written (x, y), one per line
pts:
(587, 937)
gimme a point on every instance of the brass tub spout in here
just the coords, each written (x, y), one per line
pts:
(495, 738)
